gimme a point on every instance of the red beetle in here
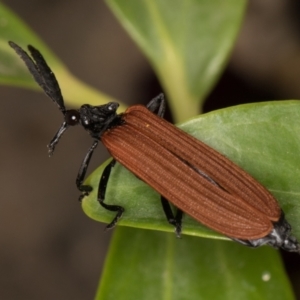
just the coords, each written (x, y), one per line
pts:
(198, 180)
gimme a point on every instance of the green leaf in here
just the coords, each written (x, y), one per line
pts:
(187, 43)
(14, 72)
(261, 138)
(144, 264)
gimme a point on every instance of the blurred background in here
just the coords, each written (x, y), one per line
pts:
(49, 248)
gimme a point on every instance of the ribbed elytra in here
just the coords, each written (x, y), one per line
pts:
(234, 207)
(198, 180)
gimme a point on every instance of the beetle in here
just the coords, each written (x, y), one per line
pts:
(197, 179)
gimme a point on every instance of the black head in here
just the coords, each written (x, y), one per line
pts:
(95, 119)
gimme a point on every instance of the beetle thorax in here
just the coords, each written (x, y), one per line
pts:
(96, 119)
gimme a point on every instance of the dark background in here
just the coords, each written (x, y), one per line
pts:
(49, 248)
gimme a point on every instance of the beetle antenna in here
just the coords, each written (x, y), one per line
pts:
(56, 138)
(42, 74)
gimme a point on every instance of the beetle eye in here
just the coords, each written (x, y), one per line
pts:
(72, 117)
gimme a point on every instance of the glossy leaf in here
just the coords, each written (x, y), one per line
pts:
(187, 43)
(163, 267)
(262, 138)
(14, 72)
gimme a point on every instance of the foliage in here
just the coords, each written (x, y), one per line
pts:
(187, 43)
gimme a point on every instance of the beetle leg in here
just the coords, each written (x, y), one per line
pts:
(101, 195)
(159, 103)
(176, 220)
(85, 189)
